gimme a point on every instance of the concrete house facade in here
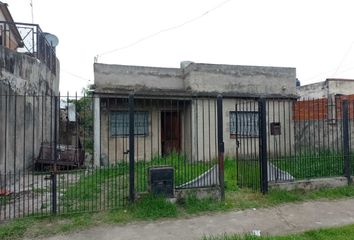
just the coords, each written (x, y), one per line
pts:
(185, 97)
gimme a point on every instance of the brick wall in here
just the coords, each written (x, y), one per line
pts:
(322, 109)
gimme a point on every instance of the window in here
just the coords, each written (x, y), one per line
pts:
(244, 123)
(119, 123)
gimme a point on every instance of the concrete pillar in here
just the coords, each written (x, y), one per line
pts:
(97, 132)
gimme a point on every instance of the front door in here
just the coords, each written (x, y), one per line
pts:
(170, 132)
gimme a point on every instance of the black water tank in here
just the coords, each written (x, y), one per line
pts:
(161, 181)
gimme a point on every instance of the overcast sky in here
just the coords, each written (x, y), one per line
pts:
(314, 36)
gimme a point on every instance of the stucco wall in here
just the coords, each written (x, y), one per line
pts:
(326, 89)
(111, 77)
(197, 78)
(313, 91)
(241, 80)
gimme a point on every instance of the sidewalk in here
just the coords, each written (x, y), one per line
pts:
(283, 219)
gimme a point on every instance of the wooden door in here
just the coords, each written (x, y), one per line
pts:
(170, 132)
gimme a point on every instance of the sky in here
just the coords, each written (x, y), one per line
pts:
(316, 37)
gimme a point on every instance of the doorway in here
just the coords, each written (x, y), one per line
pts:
(170, 132)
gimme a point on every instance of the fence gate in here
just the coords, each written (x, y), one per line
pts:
(181, 133)
(248, 129)
(69, 154)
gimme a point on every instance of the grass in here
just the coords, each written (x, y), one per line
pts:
(339, 233)
(152, 208)
(107, 187)
(312, 165)
(96, 191)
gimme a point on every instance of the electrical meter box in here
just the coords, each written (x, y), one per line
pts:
(161, 181)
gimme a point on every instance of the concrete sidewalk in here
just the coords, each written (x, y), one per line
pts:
(283, 219)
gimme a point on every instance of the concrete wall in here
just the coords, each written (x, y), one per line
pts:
(113, 77)
(197, 78)
(25, 121)
(326, 89)
(241, 80)
(313, 91)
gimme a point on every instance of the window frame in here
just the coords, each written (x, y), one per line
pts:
(125, 133)
(255, 115)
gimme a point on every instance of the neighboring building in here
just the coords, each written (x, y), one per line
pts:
(327, 89)
(29, 77)
(318, 114)
(182, 101)
(9, 35)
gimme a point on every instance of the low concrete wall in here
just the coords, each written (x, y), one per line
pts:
(312, 184)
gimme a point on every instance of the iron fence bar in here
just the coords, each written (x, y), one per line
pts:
(346, 143)
(221, 148)
(263, 145)
(54, 173)
(131, 149)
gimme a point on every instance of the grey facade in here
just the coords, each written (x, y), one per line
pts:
(195, 84)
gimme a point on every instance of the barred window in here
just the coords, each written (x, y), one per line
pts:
(119, 123)
(244, 123)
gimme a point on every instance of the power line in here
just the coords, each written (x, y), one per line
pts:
(75, 75)
(162, 31)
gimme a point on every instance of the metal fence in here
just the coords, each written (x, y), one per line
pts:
(29, 39)
(289, 140)
(68, 154)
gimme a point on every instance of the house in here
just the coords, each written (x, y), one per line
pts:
(175, 109)
(9, 35)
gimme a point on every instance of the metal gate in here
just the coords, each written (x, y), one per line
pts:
(69, 154)
(248, 128)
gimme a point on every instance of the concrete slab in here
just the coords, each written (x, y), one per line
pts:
(275, 174)
(207, 179)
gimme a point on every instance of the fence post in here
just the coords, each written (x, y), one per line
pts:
(263, 157)
(221, 149)
(54, 172)
(131, 149)
(346, 144)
